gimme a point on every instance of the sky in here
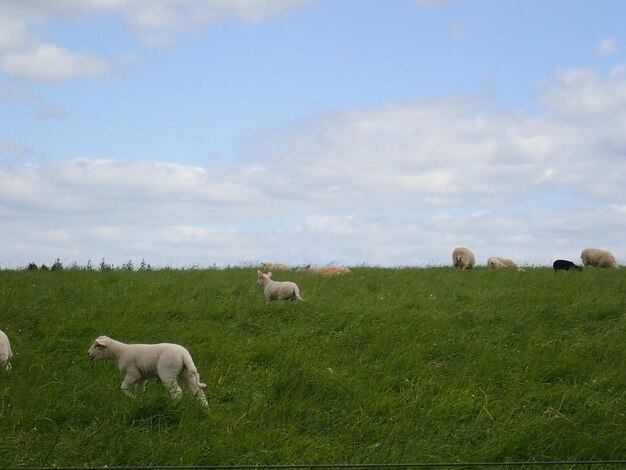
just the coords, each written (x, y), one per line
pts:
(198, 133)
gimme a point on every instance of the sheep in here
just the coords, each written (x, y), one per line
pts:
(462, 258)
(496, 262)
(499, 262)
(268, 265)
(139, 362)
(565, 265)
(599, 258)
(325, 270)
(5, 351)
(284, 290)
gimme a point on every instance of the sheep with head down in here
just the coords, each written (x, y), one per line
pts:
(463, 258)
(139, 362)
(599, 258)
(565, 265)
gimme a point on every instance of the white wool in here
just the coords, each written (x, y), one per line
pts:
(277, 290)
(325, 270)
(268, 265)
(463, 258)
(5, 351)
(500, 262)
(599, 258)
(139, 362)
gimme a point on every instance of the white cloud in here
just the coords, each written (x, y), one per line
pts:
(607, 46)
(154, 22)
(50, 63)
(583, 93)
(397, 184)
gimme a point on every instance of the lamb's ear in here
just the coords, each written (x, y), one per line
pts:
(101, 342)
(269, 274)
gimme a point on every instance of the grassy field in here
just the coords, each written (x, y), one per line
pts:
(383, 365)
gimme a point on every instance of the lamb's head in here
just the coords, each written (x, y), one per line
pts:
(262, 278)
(98, 349)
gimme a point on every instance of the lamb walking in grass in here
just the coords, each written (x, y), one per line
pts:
(5, 351)
(462, 258)
(599, 258)
(277, 290)
(139, 362)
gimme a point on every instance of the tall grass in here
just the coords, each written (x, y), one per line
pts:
(383, 365)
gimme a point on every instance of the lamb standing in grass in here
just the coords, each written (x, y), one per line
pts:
(462, 258)
(599, 258)
(275, 290)
(139, 362)
(5, 351)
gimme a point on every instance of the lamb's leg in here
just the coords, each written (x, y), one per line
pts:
(130, 379)
(196, 388)
(172, 386)
(140, 387)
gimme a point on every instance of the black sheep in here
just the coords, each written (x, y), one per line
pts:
(565, 265)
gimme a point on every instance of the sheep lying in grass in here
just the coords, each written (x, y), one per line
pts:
(499, 262)
(275, 290)
(5, 351)
(599, 258)
(268, 265)
(565, 265)
(325, 270)
(462, 258)
(139, 362)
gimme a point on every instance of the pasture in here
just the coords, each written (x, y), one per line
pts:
(381, 365)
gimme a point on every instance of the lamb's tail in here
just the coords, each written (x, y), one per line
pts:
(191, 369)
(299, 298)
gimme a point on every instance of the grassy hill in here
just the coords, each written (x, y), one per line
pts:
(383, 365)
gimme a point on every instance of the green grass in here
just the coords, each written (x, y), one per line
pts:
(383, 365)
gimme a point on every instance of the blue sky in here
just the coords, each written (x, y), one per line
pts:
(310, 131)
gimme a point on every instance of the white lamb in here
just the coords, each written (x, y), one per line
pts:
(5, 351)
(599, 258)
(499, 262)
(279, 290)
(139, 362)
(462, 258)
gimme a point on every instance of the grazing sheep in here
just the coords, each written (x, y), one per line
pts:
(5, 351)
(599, 258)
(268, 266)
(284, 290)
(462, 258)
(565, 265)
(325, 270)
(139, 362)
